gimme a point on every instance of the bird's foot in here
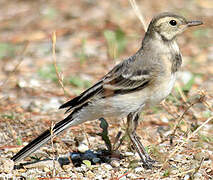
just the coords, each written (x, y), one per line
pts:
(148, 163)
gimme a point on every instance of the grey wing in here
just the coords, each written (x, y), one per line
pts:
(122, 79)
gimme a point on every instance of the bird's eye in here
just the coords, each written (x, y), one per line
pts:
(173, 22)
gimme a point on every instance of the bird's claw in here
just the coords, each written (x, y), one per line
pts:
(148, 163)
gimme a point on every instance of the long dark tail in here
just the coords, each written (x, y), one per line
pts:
(43, 138)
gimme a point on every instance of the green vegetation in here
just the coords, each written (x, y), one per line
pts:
(104, 134)
(187, 87)
(166, 173)
(8, 116)
(79, 82)
(116, 41)
(19, 141)
(199, 33)
(48, 72)
(50, 13)
(206, 138)
(88, 163)
(81, 54)
(7, 50)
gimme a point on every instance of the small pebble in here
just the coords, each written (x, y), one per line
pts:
(200, 155)
(107, 166)
(67, 167)
(46, 169)
(6, 165)
(129, 154)
(53, 104)
(131, 176)
(96, 160)
(198, 176)
(99, 177)
(139, 169)
(90, 174)
(180, 157)
(83, 168)
(115, 163)
(82, 148)
(186, 177)
(136, 156)
(174, 171)
(164, 119)
(208, 170)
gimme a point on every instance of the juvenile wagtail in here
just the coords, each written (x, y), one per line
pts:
(141, 81)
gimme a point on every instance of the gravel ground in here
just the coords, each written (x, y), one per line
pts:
(174, 132)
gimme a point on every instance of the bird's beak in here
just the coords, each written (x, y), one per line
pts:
(194, 23)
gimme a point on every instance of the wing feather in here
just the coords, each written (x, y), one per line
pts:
(121, 79)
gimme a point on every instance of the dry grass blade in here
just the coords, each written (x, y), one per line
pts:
(138, 13)
(205, 102)
(183, 173)
(60, 80)
(181, 92)
(193, 171)
(184, 98)
(181, 118)
(185, 141)
(52, 144)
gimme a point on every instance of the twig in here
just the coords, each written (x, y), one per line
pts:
(59, 77)
(194, 170)
(138, 13)
(166, 106)
(190, 106)
(184, 97)
(182, 173)
(185, 141)
(181, 92)
(204, 100)
(199, 166)
(52, 144)
(60, 80)
(181, 118)
(122, 175)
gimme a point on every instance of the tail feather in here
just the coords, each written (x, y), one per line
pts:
(43, 138)
(32, 146)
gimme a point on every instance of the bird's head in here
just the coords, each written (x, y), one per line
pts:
(169, 25)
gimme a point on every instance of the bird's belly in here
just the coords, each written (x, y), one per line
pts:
(122, 105)
(117, 106)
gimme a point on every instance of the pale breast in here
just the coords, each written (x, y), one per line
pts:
(161, 90)
(167, 86)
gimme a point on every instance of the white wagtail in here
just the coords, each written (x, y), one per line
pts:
(142, 80)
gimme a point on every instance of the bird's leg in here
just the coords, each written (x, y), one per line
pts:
(132, 123)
